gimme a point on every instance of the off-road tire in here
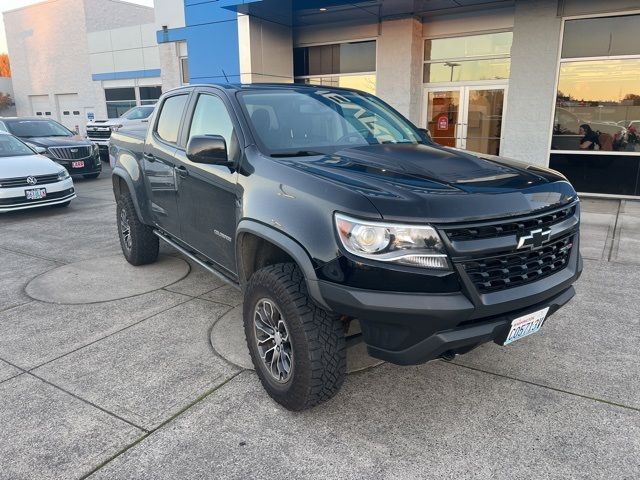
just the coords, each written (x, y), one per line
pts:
(143, 245)
(317, 338)
(91, 176)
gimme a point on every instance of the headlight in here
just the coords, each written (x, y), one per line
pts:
(63, 175)
(96, 148)
(416, 245)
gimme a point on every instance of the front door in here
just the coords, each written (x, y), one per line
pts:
(208, 195)
(466, 117)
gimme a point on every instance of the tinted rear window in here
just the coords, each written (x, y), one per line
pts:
(170, 117)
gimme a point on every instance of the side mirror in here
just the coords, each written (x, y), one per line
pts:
(425, 132)
(208, 149)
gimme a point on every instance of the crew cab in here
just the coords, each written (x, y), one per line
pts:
(52, 139)
(325, 205)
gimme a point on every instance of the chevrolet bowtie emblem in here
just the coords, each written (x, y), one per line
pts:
(536, 238)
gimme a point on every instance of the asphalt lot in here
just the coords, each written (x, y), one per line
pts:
(111, 373)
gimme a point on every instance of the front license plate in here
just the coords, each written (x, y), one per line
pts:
(526, 325)
(36, 193)
(79, 164)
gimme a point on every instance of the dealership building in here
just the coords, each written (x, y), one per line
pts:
(77, 60)
(518, 78)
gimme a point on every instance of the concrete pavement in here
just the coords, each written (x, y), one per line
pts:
(131, 387)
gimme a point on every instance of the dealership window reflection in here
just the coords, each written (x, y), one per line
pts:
(605, 96)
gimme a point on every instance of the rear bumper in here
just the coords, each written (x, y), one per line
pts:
(413, 328)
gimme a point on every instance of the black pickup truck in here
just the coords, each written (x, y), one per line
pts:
(325, 205)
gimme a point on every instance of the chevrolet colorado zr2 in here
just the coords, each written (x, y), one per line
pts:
(325, 205)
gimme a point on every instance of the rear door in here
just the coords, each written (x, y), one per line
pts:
(208, 199)
(159, 162)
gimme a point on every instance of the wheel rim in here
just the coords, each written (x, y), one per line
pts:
(273, 340)
(125, 229)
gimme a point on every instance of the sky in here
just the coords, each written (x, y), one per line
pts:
(12, 4)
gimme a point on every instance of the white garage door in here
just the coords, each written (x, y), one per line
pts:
(41, 106)
(69, 112)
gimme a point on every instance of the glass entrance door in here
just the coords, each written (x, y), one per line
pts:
(467, 117)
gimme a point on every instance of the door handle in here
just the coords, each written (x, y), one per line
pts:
(149, 157)
(182, 171)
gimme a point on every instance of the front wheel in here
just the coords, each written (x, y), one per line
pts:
(297, 348)
(139, 245)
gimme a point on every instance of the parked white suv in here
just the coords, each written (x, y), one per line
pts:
(29, 180)
(99, 131)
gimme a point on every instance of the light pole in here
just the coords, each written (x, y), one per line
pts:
(451, 65)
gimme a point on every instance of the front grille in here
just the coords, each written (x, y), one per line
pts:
(99, 134)
(22, 181)
(71, 153)
(518, 268)
(515, 227)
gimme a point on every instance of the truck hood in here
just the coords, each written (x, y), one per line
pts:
(24, 166)
(57, 141)
(432, 183)
(113, 121)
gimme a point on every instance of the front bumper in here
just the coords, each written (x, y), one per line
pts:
(92, 165)
(412, 328)
(12, 199)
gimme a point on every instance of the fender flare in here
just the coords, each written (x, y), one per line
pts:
(287, 244)
(123, 174)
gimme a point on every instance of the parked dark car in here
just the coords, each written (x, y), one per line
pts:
(48, 137)
(325, 205)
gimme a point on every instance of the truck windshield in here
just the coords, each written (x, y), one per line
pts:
(10, 146)
(37, 128)
(327, 120)
(138, 113)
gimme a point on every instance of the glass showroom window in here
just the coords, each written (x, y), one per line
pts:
(119, 100)
(150, 95)
(351, 65)
(598, 99)
(474, 57)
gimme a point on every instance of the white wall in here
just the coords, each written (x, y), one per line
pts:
(399, 66)
(265, 50)
(169, 13)
(123, 49)
(532, 86)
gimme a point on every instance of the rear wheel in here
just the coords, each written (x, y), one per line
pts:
(297, 348)
(139, 245)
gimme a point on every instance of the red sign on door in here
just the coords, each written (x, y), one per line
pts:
(443, 122)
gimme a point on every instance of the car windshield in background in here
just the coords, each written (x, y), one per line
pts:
(324, 120)
(37, 128)
(12, 147)
(138, 113)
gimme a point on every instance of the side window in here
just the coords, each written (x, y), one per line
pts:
(170, 117)
(211, 117)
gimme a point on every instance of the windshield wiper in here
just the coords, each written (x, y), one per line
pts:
(298, 153)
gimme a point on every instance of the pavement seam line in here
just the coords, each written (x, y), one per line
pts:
(615, 229)
(27, 372)
(32, 255)
(167, 421)
(88, 402)
(555, 389)
(110, 334)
